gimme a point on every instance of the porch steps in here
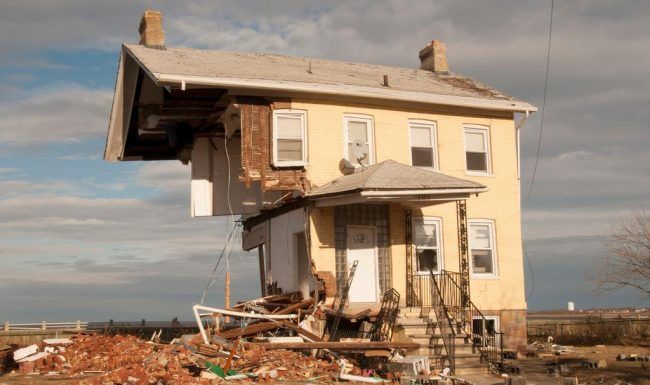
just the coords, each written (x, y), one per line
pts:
(419, 325)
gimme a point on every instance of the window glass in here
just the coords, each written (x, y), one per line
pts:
(474, 141)
(476, 156)
(421, 157)
(481, 248)
(359, 131)
(422, 145)
(421, 136)
(289, 132)
(289, 126)
(425, 239)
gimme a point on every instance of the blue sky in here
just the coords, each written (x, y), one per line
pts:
(81, 238)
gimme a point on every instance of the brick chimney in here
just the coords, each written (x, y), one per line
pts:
(433, 57)
(151, 29)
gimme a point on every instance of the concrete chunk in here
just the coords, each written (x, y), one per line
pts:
(25, 352)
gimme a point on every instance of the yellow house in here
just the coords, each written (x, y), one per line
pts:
(411, 173)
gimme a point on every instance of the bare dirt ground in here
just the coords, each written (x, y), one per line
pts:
(617, 372)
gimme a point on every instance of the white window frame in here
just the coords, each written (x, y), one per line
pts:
(370, 127)
(303, 118)
(434, 140)
(441, 260)
(485, 131)
(495, 266)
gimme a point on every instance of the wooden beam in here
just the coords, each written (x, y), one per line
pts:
(337, 345)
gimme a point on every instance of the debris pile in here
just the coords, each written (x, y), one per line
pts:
(278, 338)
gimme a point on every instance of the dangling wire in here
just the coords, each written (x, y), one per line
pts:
(216, 266)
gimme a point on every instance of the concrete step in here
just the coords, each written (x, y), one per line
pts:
(413, 321)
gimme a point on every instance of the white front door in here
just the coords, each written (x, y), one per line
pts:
(362, 248)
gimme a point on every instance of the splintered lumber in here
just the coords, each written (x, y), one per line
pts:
(249, 330)
(375, 345)
(296, 306)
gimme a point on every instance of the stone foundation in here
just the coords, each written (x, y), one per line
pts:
(513, 325)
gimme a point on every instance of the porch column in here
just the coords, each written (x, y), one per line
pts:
(463, 254)
(408, 241)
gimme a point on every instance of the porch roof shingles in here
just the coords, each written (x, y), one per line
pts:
(291, 69)
(393, 176)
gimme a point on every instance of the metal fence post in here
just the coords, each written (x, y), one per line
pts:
(78, 325)
(43, 325)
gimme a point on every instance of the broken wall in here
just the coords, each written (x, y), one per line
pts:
(256, 150)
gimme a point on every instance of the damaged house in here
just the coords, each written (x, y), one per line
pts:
(409, 174)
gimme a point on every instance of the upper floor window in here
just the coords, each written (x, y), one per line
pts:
(359, 148)
(481, 247)
(427, 244)
(423, 143)
(477, 156)
(289, 138)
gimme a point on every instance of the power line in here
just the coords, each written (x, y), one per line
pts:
(214, 271)
(532, 274)
(541, 125)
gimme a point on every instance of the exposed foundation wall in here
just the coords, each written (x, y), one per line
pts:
(391, 140)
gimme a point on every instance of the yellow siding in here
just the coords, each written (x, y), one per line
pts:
(500, 203)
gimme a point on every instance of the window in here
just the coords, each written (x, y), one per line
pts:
(476, 150)
(484, 331)
(289, 138)
(423, 144)
(426, 239)
(359, 140)
(481, 245)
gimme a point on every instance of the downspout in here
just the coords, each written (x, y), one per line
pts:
(518, 129)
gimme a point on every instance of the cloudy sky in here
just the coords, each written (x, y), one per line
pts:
(84, 239)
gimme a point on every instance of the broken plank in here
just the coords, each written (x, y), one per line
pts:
(249, 330)
(296, 306)
(378, 345)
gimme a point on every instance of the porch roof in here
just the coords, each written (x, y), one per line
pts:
(391, 178)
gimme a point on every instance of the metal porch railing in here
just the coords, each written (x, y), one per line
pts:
(461, 313)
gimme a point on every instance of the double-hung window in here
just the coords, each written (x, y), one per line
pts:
(477, 154)
(289, 138)
(359, 146)
(423, 143)
(428, 248)
(482, 250)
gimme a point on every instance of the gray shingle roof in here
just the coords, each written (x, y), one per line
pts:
(279, 68)
(390, 175)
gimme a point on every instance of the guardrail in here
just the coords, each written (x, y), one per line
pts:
(44, 325)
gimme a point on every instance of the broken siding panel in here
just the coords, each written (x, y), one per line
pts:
(256, 148)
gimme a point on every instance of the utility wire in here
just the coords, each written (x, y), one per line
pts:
(214, 271)
(532, 274)
(541, 125)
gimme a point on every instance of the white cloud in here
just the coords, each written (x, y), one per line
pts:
(60, 114)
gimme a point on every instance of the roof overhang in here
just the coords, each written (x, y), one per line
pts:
(184, 81)
(130, 66)
(405, 196)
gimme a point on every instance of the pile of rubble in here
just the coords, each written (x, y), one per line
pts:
(282, 338)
